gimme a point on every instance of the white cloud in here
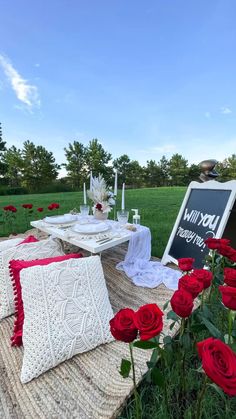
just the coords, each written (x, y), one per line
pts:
(167, 148)
(25, 92)
(225, 110)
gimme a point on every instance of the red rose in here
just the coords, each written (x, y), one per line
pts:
(186, 264)
(182, 303)
(53, 206)
(98, 206)
(219, 363)
(122, 326)
(230, 277)
(40, 209)
(191, 284)
(148, 320)
(215, 243)
(226, 251)
(228, 296)
(10, 208)
(203, 276)
(28, 206)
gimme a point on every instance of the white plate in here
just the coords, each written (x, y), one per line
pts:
(90, 228)
(60, 220)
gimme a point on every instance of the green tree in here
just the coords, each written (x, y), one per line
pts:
(122, 164)
(178, 170)
(97, 160)
(164, 167)
(2, 150)
(152, 174)
(39, 167)
(13, 162)
(135, 174)
(76, 164)
(193, 172)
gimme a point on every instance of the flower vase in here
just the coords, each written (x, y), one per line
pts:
(99, 215)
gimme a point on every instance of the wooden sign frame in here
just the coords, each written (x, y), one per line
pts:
(229, 212)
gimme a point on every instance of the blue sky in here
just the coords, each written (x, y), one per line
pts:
(146, 78)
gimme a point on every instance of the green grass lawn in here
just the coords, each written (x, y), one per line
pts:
(158, 208)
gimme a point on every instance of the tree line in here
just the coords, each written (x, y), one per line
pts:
(34, 168)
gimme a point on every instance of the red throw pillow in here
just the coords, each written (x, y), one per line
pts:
(15, 267)
(29, 239)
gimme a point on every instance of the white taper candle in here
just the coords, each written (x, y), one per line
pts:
(85, 197)
(115, 184)
(123, 197)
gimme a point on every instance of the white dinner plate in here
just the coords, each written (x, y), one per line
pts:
(90, 228)
(61, 220)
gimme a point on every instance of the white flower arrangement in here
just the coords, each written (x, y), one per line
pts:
(100, 194)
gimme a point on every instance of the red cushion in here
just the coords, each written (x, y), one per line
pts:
(15, 267)
(29, 239)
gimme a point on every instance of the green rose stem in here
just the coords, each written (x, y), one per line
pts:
(231, 316)
(182, 328)
(202, 300)
(200, 399)
(136, 395)
(213, 273)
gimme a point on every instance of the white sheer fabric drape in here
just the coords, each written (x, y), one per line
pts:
(140, 269)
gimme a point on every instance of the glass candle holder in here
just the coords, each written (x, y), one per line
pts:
(84, 210)
(123, 216)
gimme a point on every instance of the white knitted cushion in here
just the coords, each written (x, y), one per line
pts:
(67, 312)
(28, 251)
(6, 244)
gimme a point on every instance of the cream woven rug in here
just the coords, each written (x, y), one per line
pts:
(87, 386)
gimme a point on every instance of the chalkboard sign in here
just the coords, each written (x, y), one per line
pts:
(204, 213)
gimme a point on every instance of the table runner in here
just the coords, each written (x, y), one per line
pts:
(140, 269)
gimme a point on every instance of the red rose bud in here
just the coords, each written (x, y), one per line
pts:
(186, 264)
(191, 284)
(228, 296)
(182, 303)
(219, 363)
(215, 243)
(203, 276)
(40, 209)
(122, 326)
(148, 320)
(50, 207)
(230, 277)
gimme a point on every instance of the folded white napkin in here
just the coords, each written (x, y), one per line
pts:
(61, 219)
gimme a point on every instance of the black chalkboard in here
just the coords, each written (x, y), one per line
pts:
(200, 219)
(208, 210)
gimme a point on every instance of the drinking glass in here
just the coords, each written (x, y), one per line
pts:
(123, 216)
(84, 210)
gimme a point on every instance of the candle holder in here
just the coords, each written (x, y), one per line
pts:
(123, 216)
(84, 210)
